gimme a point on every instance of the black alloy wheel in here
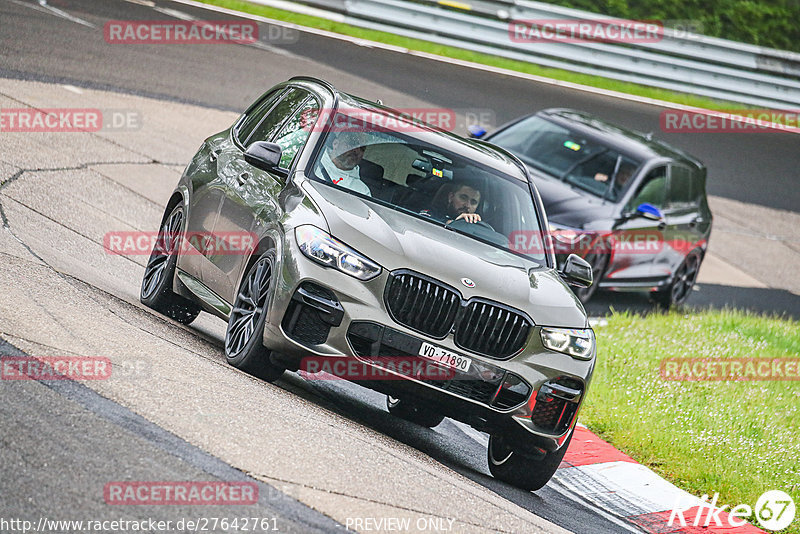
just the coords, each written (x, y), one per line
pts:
(243, 339)
(682, 283)
(156, 291)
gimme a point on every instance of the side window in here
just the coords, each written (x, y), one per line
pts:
(273, 120)
(255, 116)
(684, 187)
(294, 133)
(652, 189)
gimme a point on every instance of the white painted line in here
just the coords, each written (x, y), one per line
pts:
(180, 15)
(301, 9)
(63, 14)
(73, 89)
(147, 3)
(289, 6)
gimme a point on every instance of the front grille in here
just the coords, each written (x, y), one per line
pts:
(432, 308)
(422, 304)
(491, 330)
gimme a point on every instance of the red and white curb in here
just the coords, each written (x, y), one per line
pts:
(597, 473)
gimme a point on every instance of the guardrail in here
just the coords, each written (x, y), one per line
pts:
(679, 60)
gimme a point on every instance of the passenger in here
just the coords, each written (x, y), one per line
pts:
(624, 174)
(339, 162)
(462, 203)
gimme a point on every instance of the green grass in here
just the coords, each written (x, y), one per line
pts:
(735, 438)
(466, 55)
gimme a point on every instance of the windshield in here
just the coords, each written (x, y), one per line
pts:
(568, 156)
(423, 180)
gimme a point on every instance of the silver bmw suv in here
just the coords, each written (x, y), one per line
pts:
(339, 236)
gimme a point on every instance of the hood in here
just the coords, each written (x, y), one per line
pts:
(569, 206)
(397, 240)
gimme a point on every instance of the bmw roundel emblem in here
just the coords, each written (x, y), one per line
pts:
(467, 282)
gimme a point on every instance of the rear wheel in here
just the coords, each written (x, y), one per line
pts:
(156, 289)
(413, 412)
(244, 348)
(523, 471)
(682, 283)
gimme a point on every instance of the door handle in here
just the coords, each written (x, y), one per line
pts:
(213, 155)
(243, 178)
(662, 225)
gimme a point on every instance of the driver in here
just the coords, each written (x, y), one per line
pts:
(462, 202)
(340, 162)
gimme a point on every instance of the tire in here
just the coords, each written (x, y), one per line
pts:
(682, 282)
(244, 348)
(599, 262)
(521, 470)
(413, 413)
(156, 291)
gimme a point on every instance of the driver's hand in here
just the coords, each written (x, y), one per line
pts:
(469, 217)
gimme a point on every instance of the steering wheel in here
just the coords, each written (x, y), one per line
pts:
(461, 224)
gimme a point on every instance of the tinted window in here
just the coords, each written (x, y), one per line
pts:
(652, 189)
(294, 133)
(684, 187)
(273, 120)
(605, 174)
(413, 176)
(567, 155)
(256, 115)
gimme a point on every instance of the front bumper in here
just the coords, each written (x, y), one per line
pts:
(533, 397)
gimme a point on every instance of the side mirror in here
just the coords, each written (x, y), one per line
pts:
(648, 211)
(577, 271)
(266, 156)
(475, 131)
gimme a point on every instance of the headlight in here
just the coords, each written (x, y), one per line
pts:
(577, 343)
(322, 248)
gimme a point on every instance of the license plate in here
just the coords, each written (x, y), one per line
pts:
(445, 357)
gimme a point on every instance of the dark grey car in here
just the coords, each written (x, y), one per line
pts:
(634, 207)
(362, 256)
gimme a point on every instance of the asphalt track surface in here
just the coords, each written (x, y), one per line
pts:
(756, 168)
(759, 168)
